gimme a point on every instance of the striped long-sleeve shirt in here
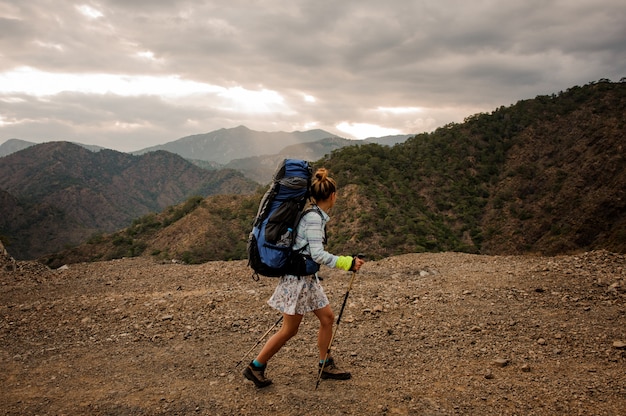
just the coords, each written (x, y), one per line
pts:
(310, 237)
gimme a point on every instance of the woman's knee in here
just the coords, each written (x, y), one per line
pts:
(289, 330)
(326, 318)
(290, 326)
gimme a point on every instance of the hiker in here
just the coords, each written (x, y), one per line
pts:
(294, 296)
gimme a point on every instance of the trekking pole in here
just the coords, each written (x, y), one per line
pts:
(343, 305)
(259, 341)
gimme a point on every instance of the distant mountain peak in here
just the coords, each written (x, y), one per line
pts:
(13, 145)
(227, 144)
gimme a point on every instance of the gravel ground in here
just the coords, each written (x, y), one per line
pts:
(422, 334)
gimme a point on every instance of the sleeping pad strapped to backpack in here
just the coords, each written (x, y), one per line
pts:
(274, 229)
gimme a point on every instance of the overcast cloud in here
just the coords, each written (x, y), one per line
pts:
(128, 74)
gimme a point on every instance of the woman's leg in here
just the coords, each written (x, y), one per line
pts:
(290, 326)
(326, 317)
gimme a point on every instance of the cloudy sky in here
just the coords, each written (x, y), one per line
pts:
(128, 74)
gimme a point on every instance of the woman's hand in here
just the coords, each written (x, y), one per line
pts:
(357, 262)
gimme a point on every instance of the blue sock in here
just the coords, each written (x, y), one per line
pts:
(258, 364)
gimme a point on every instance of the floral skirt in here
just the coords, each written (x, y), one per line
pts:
(298, 295)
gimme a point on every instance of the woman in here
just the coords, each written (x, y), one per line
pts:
(294, 296)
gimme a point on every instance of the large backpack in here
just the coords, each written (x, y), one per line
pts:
(274, 229)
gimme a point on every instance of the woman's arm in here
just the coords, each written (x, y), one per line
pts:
(314, 232)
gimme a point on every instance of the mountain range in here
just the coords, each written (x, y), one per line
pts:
(545, 175)
(57, 194)
(254, 153)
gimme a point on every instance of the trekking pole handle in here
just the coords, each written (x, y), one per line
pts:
(354, 257)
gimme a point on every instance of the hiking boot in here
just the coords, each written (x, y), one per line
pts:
(257, 376)
(332, 371)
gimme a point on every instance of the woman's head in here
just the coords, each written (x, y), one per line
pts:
(322, 186)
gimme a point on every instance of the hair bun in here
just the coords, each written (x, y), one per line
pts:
(321, 174)
(323, 185)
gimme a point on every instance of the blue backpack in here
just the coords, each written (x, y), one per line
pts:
(273, 233)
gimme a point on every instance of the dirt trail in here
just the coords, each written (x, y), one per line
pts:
(422, 334)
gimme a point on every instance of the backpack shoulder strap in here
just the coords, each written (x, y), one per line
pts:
(311, 208)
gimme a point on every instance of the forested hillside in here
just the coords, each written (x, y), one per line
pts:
(545, 175)
(59, 194)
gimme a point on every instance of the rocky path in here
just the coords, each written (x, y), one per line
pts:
(422, 334)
